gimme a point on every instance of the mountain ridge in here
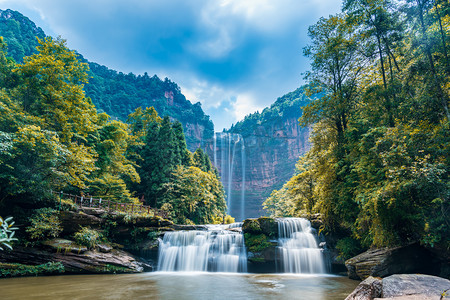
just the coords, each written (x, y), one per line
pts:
(112, 91)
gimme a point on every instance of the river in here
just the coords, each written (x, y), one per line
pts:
(178, 286)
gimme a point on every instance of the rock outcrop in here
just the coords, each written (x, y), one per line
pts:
(387, 261)
(402, 286)
(88, 262)
(261, 244)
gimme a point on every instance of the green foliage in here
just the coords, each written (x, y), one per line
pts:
(378, 168)
(16, 270)
(348, 248)
(120, 94)
(229, 219)
(20, 33)
(44, 224)
(195, 195)
(88, 237)
(256, 242)
(7, 232)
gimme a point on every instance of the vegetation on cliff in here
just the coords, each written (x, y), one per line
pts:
(378, 168)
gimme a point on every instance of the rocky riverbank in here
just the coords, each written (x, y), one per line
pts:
(402, 286)
(130, 246)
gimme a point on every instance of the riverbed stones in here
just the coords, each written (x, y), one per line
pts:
(387, 261)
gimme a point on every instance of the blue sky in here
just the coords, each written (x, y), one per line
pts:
(233, 56)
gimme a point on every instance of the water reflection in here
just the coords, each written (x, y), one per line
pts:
(178, 286)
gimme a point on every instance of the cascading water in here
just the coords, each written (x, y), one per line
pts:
(298, 248)
(226, 149)
(214, 250)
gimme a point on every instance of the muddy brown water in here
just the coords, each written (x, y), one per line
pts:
(178, 286)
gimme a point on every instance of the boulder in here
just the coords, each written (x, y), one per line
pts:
(387, 261)
(316, 220)
(370, 288)
(71, 221)
(104, 248)
(251, 226)
(414, 286)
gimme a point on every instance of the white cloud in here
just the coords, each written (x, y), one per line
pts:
(245, 104)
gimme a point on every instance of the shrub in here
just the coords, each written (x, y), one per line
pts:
(348, 247)
(7, 232)
(14, 270)
(229, 219)
(44, 224)
(88, 237)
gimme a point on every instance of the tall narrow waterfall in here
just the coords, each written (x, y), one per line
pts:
(215, 250)
(298, 248)
(232, 170)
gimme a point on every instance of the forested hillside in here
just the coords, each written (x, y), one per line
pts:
(53, 138)
(113, 92)
(378, 168)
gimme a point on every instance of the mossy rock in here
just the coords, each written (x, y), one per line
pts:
(251, 226)
(257, 243)
(64, 246)
(268, 226)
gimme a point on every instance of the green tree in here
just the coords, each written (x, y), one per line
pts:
(195, 195)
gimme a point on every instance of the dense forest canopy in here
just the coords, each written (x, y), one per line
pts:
(378, 169)
(53, 138)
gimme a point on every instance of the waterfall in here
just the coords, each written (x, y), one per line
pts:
(214, 250)
(226, 149)
(298, 248)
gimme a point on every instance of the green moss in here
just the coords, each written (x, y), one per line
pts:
(268, 226)
(251, 226)
(257, 243)
(258, 259)
(16, 270)
(116, 269)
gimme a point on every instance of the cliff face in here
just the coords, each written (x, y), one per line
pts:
(259, 154)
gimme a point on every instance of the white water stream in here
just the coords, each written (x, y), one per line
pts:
(214, 250)
(298, 248)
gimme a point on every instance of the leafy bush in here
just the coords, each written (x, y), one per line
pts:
(14, 270)
(88, 237)
(7, 232)
(44, 224)
(69, 205)
(229, 219)
(348, 247)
